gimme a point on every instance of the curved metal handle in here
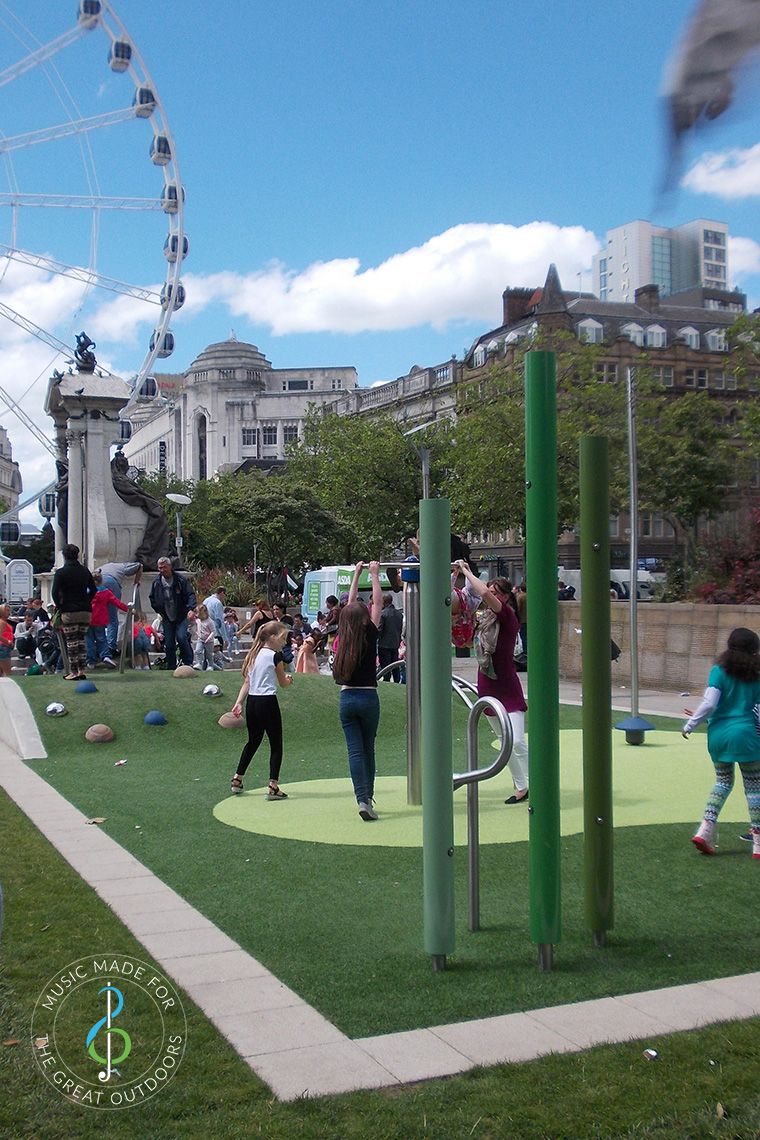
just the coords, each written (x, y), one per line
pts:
(475, 775)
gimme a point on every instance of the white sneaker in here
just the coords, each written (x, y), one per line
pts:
(109, 661)
(367, 812)
(704, 839)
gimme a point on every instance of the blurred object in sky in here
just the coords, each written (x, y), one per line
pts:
(700, 78)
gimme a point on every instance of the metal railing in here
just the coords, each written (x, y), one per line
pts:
(473, 776)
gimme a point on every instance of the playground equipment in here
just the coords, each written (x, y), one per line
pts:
(471, 778)
(543, 659)
(597, 689)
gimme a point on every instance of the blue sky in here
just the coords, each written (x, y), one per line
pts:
(363, 179)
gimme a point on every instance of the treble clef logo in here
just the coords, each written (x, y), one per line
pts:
(109, 1061)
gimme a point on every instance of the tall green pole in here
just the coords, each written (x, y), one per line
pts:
(543, 658)
(435, 693)
(597, 686)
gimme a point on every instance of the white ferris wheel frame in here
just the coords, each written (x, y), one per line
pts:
(107, 21)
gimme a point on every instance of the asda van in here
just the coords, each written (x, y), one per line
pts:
(336, 580)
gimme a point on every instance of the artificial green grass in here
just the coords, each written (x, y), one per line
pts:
(311, 911)
(52, 917)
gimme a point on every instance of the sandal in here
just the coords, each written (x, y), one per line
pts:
(276, 793)
(236, 785)
(71, 677)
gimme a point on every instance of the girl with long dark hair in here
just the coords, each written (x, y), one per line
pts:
(355, 670)
(731, 702)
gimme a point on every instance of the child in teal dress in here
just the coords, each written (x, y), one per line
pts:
(732, 702)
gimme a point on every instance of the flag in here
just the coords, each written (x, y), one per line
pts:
(699, 82)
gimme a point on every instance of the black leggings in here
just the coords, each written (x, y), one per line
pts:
(262, 715)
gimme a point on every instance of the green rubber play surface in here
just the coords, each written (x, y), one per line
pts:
(653, 783)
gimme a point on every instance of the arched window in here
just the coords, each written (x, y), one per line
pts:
(202, 453)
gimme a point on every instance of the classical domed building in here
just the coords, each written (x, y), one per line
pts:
(231, 407)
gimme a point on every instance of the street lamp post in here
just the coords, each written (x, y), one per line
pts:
(179, 501)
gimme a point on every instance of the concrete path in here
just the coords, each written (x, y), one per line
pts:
(289, 1045)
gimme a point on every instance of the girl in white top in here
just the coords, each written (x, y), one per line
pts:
(263, 670)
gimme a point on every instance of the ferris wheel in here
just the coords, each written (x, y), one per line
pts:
(93, 202)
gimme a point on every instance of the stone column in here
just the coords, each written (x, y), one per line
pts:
(76, 532)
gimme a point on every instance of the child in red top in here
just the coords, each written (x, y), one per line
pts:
(95, 638)
(6, 641)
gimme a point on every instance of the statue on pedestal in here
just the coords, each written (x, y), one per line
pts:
(156, 542)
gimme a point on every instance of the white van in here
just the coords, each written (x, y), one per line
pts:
(336, 580)
(620, 580)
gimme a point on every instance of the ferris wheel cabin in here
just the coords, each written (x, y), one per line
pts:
(160, 151)
(88, 13)
(170, 197)
(144, 102)
(165, 347)
(167, 291)
(120, 55)
(171, 247)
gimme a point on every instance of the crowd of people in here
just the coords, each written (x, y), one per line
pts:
(354, 640)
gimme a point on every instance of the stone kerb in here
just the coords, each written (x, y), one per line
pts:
(678, 642)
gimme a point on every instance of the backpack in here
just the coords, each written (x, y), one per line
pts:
(463, 625)
(486, 636)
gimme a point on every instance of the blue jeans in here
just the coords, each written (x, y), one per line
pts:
(112, 629)
(96, 642)
(175, 634)
(360, 716)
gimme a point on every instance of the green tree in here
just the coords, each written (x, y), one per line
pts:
(232, 514)
(368, 474)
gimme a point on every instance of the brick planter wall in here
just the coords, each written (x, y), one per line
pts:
(678, 642)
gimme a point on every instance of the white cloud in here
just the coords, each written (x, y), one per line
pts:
(730, 175)
(454, 276)
(743, 256)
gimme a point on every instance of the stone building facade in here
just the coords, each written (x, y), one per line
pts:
(230, 407)
(11, 484)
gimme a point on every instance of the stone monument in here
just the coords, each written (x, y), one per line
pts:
(99, 508)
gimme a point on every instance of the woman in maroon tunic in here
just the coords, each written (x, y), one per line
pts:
(506, 686)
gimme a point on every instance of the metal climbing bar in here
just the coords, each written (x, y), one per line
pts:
(472, 777)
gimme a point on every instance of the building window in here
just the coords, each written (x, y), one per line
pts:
(713, 237)
(690, 335)
(299, 385)
(730, 383)
(719, 379)
(754, 474)
(634, 333)
(226, 373)
(652, 524)
(590, 331)
(663, 374)
(290, 433)
(479, 356)
(253, 373)
(690, 377)
(336, 384)
(655, 337)
(269, 436)
(606, 371)
(716, 340)
(614, 526)
(250, 437)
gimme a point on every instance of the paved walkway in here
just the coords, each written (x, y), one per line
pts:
(295, 1050)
